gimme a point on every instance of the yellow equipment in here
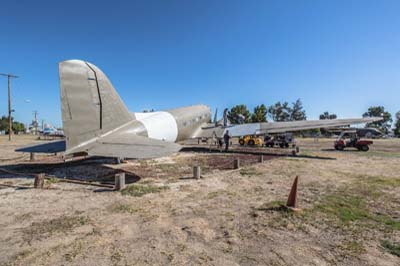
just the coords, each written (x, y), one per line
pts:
(251, 140)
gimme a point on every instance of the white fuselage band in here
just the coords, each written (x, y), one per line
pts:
(159, 125)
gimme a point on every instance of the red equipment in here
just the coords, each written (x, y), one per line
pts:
(353, 141)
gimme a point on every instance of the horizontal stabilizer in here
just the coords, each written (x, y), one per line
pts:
(48, 147)
(135, 147)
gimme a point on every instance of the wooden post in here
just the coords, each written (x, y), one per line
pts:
(197, 172)
(261, 159)
(236, 163)
(32, 157)
(39, 181)
(119, 181)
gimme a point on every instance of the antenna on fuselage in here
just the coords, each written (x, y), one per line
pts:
(215, 116)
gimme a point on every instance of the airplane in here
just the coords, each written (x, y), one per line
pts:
(96, 122)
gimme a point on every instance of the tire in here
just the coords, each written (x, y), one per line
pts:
(281, 145)
(251, 142)
(339, 147)
(364, 148)
(241, 142)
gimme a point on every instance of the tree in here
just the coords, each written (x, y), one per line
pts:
(397, 125)
(237, 112)
(280, 112)
(326, 115)
(283, 112)
(4, 123)
(379, 111)
(260, 114)
(18, 127)
(297, 112)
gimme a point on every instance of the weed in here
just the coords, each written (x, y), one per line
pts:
(124, 208)
(353, 247)
(137, 190)
(275, 205)
(214, 194)
(63, 224)
(392, 248)
(52, 180)
(249, 171)
(76, 250)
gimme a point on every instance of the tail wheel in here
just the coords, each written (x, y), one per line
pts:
(251, 142)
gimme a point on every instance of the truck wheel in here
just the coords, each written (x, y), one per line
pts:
(241, 142)
(364, 148)
(251, 142)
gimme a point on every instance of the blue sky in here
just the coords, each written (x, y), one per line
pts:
(337, 56)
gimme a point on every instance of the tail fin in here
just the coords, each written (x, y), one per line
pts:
(90, 106)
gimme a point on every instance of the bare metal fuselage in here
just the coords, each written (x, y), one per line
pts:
(171, 125)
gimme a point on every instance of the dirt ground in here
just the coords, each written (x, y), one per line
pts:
(350, 208)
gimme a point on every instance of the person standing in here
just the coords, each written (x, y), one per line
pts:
(227, 138)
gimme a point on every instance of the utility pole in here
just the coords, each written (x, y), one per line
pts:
(35, 113)
(9, 76)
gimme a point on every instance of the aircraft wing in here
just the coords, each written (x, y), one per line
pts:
(281, 127)
(48, 147)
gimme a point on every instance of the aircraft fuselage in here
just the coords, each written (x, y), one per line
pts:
(171, 125)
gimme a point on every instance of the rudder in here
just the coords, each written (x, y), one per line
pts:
(90, 106)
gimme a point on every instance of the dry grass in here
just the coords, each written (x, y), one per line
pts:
(350, 211)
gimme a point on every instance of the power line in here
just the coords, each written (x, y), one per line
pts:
(9, 76)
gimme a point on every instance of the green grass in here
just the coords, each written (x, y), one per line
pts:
(380, 154)
(392, 248)
(384, 181)
(346, 208)
(137, 190)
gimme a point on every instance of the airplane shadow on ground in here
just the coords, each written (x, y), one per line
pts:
(350, 150)
(256, 152)
(88, 169)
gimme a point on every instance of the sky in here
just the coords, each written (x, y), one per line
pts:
(339, 56)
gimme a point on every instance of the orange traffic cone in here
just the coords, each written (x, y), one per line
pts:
(292, 199)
